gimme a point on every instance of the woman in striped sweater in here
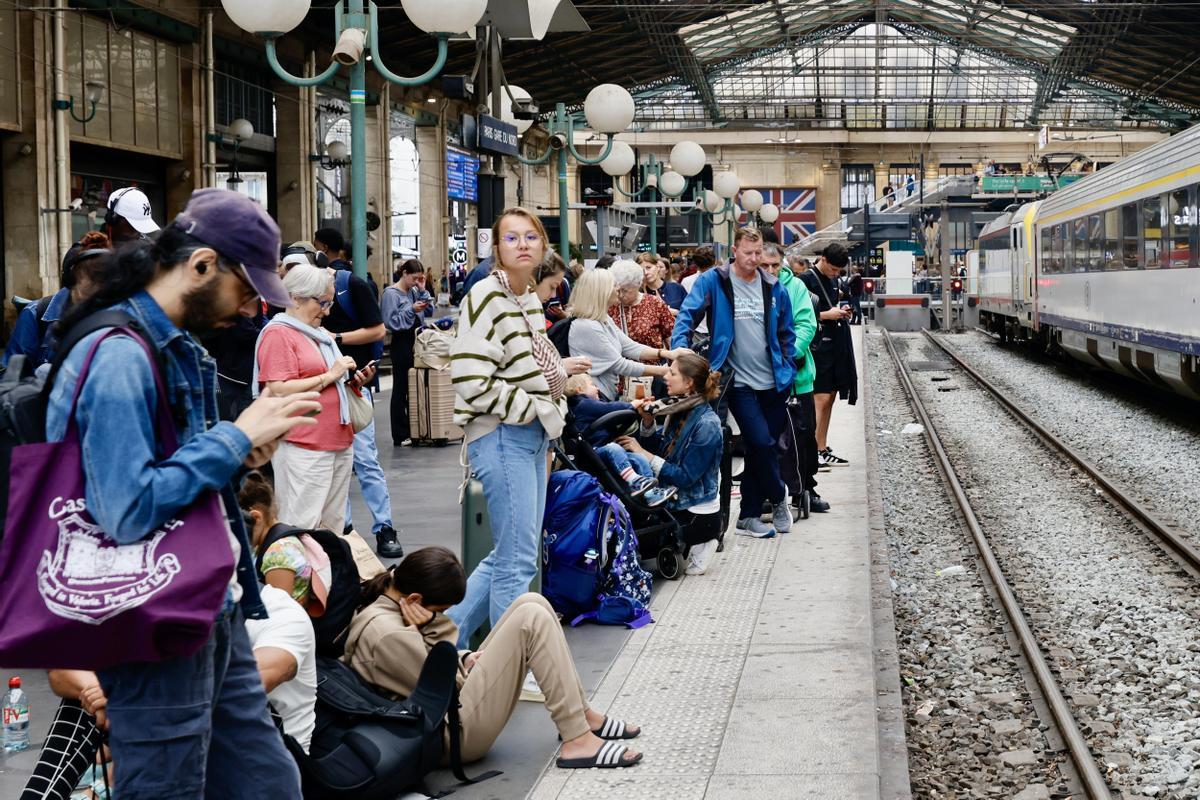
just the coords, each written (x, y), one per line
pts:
(508, 383)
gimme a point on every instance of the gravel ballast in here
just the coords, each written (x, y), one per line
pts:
(971, 728)
(1115, 615)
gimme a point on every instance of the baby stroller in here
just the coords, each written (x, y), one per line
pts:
(658, 532)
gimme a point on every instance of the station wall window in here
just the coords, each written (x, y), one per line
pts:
(1181, 212)
(1152, 231)
(1112, 239)
(1131, 251)
(858, 186)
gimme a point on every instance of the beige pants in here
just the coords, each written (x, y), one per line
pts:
(311, 486)
(528, 636)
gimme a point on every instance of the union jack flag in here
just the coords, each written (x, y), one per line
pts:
(797, 212)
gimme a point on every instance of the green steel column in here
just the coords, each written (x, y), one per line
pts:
(652, 169)
(564, 234)
(358, 153)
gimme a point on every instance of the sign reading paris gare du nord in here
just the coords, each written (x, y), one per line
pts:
(497, 136)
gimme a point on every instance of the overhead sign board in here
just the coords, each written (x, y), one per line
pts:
(462, 170)
(497, 136)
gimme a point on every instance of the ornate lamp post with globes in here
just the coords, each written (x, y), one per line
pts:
(608, 109)
(356, 29)
(687, 159)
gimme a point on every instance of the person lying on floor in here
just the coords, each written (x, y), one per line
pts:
(583, 398)
(403, 618)
(690, 442)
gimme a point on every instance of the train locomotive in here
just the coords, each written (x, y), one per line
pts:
(1105, 270)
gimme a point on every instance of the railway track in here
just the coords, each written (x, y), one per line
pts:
(1089, 773)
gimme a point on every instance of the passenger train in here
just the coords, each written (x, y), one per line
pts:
(1105, 270)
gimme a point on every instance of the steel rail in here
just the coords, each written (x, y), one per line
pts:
(1090, 773)
(1164, 535)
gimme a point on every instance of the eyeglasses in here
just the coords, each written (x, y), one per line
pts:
(324, 304)
(511, 239)
(239, 272)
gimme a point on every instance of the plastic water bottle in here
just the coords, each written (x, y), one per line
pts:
(16, 717)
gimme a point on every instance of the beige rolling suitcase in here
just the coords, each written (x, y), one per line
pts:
(431, 407)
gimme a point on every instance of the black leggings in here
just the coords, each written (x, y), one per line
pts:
(698, 528)
(402, 362)
(69, 751)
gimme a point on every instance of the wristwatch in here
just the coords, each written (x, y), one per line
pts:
(337, 338)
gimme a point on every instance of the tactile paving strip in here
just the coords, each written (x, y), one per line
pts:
(682, 685)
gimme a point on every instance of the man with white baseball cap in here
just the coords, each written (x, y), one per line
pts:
(128, 216)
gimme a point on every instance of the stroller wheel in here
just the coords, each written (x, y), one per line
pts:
(805, 505)
(670, 564)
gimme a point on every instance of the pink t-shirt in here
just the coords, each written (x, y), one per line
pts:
(285, 355)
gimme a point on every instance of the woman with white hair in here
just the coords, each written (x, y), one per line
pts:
(294, 354)
(594, 335)
(641, 316)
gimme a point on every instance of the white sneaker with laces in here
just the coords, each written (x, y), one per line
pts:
(700, 556)
(530, 691)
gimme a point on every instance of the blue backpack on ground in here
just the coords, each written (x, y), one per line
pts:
(590, 568)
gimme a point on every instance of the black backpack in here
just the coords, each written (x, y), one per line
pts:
(560, 333)
(366, 746)
(345, 590)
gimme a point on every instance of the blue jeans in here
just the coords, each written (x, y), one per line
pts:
(510, 462)
(618, 459)
(761, 415)
(370, 475)
(197, 727)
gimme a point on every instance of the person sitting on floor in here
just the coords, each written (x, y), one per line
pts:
(583, 398)
(690, 441)
(285, 648)
(403, 619)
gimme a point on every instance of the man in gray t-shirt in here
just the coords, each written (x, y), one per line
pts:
(750, 355)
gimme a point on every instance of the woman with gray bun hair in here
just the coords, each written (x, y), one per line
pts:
(641, 316)
(295, 354)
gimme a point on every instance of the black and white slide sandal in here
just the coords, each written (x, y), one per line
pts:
(610, 756)
(616, 729)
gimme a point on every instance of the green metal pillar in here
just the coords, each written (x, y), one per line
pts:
(358, 150)
(652, 169)
(564, 202)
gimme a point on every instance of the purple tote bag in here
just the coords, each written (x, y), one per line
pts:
(72, 598)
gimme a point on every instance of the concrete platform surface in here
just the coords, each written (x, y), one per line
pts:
(758, 678)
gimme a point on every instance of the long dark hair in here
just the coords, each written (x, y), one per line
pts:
(130, 270)
(433, 572)
(705, 381)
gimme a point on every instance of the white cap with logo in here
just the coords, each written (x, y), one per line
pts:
(132, 204)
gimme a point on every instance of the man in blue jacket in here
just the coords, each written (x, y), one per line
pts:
(753, 345)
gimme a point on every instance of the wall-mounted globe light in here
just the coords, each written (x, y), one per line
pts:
(769, 213)
(726, 184)
(266, 16)
(608, 108)
(752, 200)
(241, 130)
(337, 151)
(445, 16)
(687, 158)
(620, 160)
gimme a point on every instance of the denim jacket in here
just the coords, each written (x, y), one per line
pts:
(27, 336)
(693, 466)
(131, 488)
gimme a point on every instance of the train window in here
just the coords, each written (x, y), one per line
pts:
(1152, 231)
(1181, 214)
(1047, 249)
(1056, 241)
(1095, 260)
(1079, 244)
(1112, 240)
(1131, 251)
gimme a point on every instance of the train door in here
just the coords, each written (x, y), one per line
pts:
(1014, 272)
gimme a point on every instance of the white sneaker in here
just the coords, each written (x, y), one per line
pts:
(700, 556)
(530, 691)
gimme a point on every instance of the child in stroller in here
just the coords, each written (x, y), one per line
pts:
(583, 398)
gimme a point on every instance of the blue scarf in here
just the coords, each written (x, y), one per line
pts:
(324, 343)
